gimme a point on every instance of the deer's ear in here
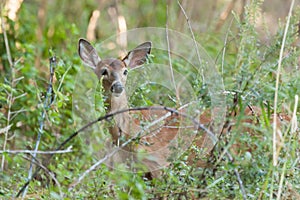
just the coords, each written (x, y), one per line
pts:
(88, 53)
(138, 55)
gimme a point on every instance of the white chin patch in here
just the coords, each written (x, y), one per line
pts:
(116, 94)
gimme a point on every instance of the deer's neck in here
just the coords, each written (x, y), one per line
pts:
(120, 131)
(118, 103)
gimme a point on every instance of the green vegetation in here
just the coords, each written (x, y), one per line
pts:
(247, 64)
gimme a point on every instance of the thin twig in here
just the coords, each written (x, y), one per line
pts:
(169, 55)
(193, 36)
(63, 77)
(61, 81)
(20, 96)
(15, 113)
(224, 49)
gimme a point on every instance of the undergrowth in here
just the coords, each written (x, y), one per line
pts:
(248, 72)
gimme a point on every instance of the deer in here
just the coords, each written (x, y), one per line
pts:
(113, 74)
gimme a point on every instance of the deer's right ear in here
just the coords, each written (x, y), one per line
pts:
(138, 55)
(88, 53)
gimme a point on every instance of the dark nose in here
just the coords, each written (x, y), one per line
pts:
(117, 88)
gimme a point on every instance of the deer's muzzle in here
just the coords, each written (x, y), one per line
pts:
(117, 88)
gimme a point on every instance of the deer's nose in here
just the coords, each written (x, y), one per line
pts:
(117, 88)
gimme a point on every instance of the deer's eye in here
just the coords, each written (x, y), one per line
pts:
(125, 72)
(104, 72)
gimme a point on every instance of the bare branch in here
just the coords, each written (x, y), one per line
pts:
(68, 150)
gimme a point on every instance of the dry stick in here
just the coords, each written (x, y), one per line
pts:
(47, 103)
(109, 116)
(68, 150)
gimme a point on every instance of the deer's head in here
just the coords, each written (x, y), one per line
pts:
(113, 71)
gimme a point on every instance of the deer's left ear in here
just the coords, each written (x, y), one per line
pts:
(138, 55)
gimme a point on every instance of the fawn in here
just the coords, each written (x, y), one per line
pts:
(113, 73)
